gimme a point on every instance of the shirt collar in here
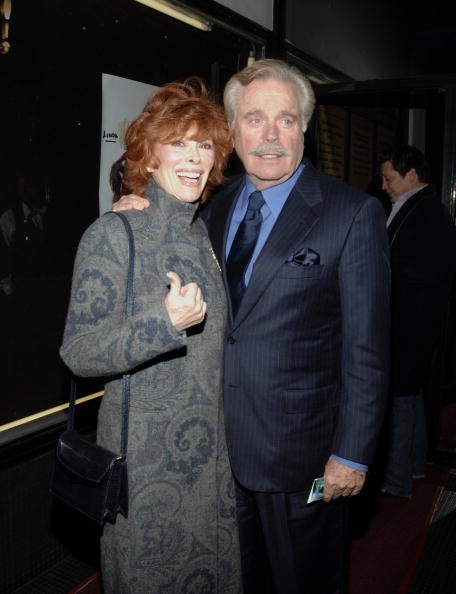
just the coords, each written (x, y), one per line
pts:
(275, 196)
(406, 195)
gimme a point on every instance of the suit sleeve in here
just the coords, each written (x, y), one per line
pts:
(364, 282)
(98, 341)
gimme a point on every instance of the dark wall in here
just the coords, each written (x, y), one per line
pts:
(364, 40)
(372, 40)
(434, 39)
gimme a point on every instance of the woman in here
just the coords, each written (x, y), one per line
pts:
(180, 535)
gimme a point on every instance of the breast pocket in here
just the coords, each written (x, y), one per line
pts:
(292, 270)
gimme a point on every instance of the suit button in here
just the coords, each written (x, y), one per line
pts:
(231, 340)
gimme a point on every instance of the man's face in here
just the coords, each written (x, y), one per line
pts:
(267, 132)
(394, 183)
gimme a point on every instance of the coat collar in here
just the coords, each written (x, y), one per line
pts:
(406, 210)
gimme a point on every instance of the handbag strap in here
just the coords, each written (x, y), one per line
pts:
(128, 311)
(70, 421)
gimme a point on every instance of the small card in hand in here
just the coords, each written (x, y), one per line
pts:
(316, 492)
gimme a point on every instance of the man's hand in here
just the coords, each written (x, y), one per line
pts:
(130, 201)
(185, 304)
(341, 480)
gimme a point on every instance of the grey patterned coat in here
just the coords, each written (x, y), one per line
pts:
(180, 535)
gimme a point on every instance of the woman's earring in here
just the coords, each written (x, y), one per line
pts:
(149, 170)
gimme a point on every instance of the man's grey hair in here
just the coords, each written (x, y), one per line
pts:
(265, 69)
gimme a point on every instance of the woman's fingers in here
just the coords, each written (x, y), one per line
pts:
(185, 304)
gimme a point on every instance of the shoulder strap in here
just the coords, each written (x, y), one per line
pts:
(131, 265)
(128, 312)
(70, 420)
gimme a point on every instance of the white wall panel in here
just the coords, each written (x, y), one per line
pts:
(259, 11)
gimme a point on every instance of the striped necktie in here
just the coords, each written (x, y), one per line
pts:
(242, 248)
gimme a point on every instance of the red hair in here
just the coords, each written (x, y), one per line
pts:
(168, 115)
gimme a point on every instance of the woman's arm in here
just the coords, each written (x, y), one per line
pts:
(97, 340)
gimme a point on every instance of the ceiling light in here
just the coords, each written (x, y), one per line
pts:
(178, 12)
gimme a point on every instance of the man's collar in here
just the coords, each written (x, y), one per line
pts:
(406, 195)
(275, 196)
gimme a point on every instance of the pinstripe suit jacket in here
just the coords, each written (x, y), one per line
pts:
(306, 357)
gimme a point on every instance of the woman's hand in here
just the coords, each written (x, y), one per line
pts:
(185, 304)
(129, 202)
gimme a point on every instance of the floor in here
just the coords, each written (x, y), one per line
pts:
(398, 546)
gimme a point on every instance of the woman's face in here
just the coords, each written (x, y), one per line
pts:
(185, 165)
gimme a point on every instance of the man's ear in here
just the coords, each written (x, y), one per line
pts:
(412, 176)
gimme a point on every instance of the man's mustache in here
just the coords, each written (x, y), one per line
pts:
(267, 149)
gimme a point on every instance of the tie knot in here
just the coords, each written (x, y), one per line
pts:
(256, 201)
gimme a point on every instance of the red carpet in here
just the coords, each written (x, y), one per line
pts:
(383, 558)
(92, 585)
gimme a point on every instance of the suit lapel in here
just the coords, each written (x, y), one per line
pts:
(298, 215)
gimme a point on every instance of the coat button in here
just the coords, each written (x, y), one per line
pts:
(231, 340)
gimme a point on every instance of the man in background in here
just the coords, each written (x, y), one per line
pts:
(423, 261)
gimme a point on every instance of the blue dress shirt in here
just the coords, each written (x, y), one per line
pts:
(274, 198)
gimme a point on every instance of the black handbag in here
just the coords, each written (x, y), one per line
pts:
(87, 476)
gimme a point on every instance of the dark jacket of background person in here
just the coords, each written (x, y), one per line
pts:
(423, 261)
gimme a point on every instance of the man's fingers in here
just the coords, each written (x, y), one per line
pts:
(341, 480)
(327, 496)
(331, 492)
(130, 201)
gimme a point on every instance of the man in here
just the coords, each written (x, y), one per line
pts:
(423, 258)
(306, 357)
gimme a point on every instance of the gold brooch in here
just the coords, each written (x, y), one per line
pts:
(214, 257)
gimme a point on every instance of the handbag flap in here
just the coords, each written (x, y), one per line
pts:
(83, 458)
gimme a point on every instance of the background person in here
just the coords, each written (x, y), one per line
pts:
(423, 263)
(181, 534)
(306, 353)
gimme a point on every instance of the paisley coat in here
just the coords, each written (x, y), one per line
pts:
(180, 534)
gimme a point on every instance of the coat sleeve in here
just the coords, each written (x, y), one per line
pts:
(98, 341)
(364, 282)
